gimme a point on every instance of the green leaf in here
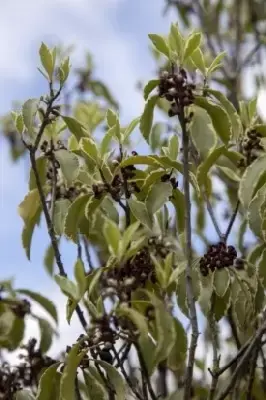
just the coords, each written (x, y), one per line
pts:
(165, 330)
(205, 166)
(116, 380)
(254, 214)
(69, 164)
(80, 276)
(140, 160)
(47, 333)
(128, 237)
(112, 236)
(41, 165)
(111, 117)
(73, 218)
(47, 304)
(129, 129)
(60, 212)
(28, 208)
(202, 132)
(67, 287)
(221, 281)
(191, 44)
(16, 335)
(177, 356)
(75, 127)
(147, 117)
(100, 89)
(6, 322)
(67, 383)
(95, 388)
(140, 212)
(178, 200)
(219, 117)
(150, 86)
(250, 180)
(262, 267)
(29, 111)
(47, 383)
(19, 123)
(176, 41)
(24, 394)
(158, 195)
(64, 71)
(216, 62)
(109, 135)
(49, 259)
(221, 304)
(198, 60)
(28, 230)
(88, 146)
(47, 61)
(173, 147)
(160, 44)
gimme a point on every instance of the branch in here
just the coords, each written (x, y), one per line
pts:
(126, 207)
(87, 253)
(232, 221)
(215, 346)
(244, 359)
(145, 372)
(189, 287)
(252, 372)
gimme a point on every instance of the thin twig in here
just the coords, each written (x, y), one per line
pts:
(163, 390)
(189, 286)
(145, 371)
(87, 253)
(244, 359)
(233, 327)
(126, 207)
(54, 181)
(252, 372)
(79, 248)
(124, 372)
(232, 221)
(215, 346)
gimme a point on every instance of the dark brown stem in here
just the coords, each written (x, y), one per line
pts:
(163, 390)
(189, 286)
(145, 372)
(233, 327)
(232, 221)
(215, 347)
(252, 372)
(87, 253)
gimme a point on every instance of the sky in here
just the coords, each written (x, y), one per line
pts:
(115, 32)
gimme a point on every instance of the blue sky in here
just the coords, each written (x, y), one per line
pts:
(115, 32)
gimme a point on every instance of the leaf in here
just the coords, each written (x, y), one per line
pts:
(69, 164)
(28, 230)
(29, 111)
(111, 118)
(41, 165)
(16, 334)
(158, 195)
(178, 353)
(60, 212)
(178, 200)
(80, 276)
(67, 287)
(75, 127)
(24, 394)
(206, 165)
(173, 147)
(47, 61)
(221, 281)
(262, 267)
(46, 334)
(150, 86)
(160, 44)
(221, 304)
(129, 129)
(28, 208)
(216, 62)
(198, 60)
(250, 179)
(88, 146)
(128, 236)
(219, 117)
(140, 212)
(47, 304)
(191, 44)
(176, 41)
(254, 215)
(47, 383)
(95, 388)
(147, 117)
(64, 71)
(49, 259)
(100, 89)
(67, 383)
(112, 236)
(75, 213)
(202, 132)
(165, 330)
(107, 140)
(19, 123)
(116, 380)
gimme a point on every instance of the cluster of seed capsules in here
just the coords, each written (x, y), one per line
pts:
(175, 88)
(219, 256)
(21, 308)
(23, 375)
(135, 273)
(251, 147)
